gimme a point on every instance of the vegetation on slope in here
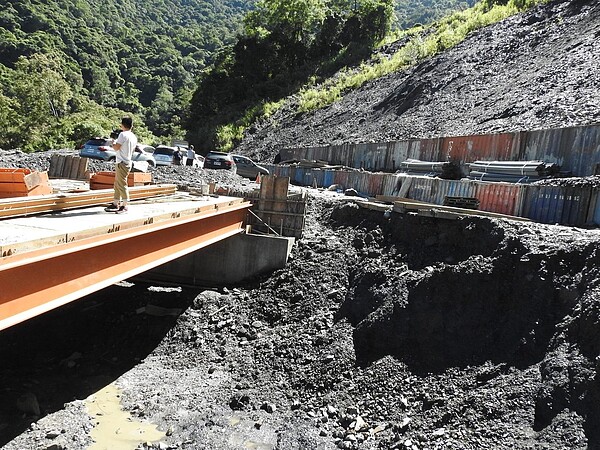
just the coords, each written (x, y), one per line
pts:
(70, 69)
(276, 59)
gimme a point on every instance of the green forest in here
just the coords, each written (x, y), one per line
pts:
(201, 69)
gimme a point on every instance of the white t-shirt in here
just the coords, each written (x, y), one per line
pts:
(190, 153)
(128, 141)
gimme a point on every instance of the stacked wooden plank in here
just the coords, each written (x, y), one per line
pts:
(12, 207)
(462, 202)
(23, 183)
(105, 180)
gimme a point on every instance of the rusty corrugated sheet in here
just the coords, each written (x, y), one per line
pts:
(503, 198)
(575, 149)
(557, 204)
(425, 149)
(341, 178)
(487, 147)
(376, 184)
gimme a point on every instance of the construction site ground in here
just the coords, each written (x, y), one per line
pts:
(384, 331)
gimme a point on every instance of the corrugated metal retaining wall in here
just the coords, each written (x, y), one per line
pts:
(575, 206)
(576, 150)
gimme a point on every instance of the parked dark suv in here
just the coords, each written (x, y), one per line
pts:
(219, 160)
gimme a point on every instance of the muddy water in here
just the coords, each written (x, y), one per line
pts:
(114, 428)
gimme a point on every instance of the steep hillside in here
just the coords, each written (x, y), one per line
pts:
(536, 70)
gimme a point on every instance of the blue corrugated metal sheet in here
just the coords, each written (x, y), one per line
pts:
(556, 204)
(575, 149)
(328, 177)
(422, 189)
(594, 213)
(318, 176)
(451, 188)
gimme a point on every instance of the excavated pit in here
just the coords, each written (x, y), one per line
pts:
(464, 293)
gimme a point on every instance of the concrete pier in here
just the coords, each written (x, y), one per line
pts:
(231, 261)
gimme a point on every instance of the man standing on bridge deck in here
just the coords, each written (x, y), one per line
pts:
(124, 147)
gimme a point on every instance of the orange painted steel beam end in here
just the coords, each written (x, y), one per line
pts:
(37, 281)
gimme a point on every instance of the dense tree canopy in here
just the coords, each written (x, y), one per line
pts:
(138, 56)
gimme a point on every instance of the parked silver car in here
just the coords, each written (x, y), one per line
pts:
(248, 168)
(101, 148)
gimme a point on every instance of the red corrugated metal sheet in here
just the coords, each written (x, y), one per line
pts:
(341, 178)
(487, 147)
(503, 198)
(425, 149)
(375, 182)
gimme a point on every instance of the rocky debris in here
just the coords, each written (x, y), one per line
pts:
(397, 332)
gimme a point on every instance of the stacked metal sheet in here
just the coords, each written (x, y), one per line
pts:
(441, 169)
(512, 171)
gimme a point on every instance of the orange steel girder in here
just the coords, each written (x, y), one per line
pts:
(37, 281)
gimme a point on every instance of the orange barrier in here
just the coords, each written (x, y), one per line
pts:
(105, 180)
(23, 182)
